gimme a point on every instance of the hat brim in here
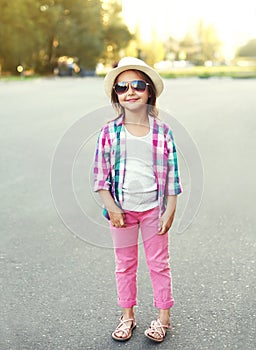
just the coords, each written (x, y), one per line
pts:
(113, 74)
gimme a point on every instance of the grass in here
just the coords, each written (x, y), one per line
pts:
(202, 72)
(208, 72)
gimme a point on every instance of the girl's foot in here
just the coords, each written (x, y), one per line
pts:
(124, 330)
(157, 330)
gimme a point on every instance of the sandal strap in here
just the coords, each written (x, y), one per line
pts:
(127, 329)
(156, 326)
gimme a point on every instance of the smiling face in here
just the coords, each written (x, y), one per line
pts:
(146, 98)
(132, 100)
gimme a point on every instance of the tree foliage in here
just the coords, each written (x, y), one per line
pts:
(35, 33)
(116, 36)
(209, 43)
(199, 46)
(248, 50)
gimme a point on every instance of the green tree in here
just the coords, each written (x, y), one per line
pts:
(115, 31)
(17, 35)
(209, 43)
(197, 47)
(190, 47)
(35, 33)
(172, 47)
(81, 33)
(71, 28)
(248, 50)
(49, 17)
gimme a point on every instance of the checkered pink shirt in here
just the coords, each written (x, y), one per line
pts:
(110, 159)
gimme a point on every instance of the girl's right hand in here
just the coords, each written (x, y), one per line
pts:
(117, 218)
(116, 215)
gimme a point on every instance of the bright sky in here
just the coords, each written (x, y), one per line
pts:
(234, 20)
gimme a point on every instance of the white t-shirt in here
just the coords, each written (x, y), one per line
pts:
(139, 188)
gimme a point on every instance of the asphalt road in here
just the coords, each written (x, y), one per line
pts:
(57, 284)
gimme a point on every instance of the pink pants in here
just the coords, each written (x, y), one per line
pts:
(157, 256)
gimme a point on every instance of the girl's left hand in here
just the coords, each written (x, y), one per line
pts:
(165, 223)
(167, 218)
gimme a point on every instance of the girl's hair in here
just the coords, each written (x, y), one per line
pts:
(152, 109)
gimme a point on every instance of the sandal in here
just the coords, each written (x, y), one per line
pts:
(122, 327)
(158, 328)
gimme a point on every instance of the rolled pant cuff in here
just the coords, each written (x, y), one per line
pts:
(161, 305)
(127, 304)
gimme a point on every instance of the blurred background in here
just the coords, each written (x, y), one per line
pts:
(88, 37)
(56, 289)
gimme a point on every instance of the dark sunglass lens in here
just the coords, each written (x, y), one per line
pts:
(139, 85)
(121, 87)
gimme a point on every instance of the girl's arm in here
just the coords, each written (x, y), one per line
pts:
(167, 218)
(173, 185)
(116, 215)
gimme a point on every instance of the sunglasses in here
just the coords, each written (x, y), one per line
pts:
(123, 86)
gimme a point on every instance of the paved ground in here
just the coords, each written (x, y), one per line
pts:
(58, 290)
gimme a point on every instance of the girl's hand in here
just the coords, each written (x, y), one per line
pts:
(167, 218)
(116, 215)
(165, 223)
(117, 218)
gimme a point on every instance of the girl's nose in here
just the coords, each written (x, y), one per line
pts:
(130, 90)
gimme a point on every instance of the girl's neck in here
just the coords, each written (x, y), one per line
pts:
(137, 124)
(136, 118)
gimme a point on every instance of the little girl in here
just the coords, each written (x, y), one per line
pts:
(136, 175)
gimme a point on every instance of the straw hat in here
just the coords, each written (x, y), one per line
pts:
(128, 63)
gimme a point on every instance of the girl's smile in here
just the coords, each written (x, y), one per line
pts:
(132, 100)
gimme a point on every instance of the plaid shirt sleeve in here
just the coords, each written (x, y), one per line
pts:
(102, 161)
(173, 185)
